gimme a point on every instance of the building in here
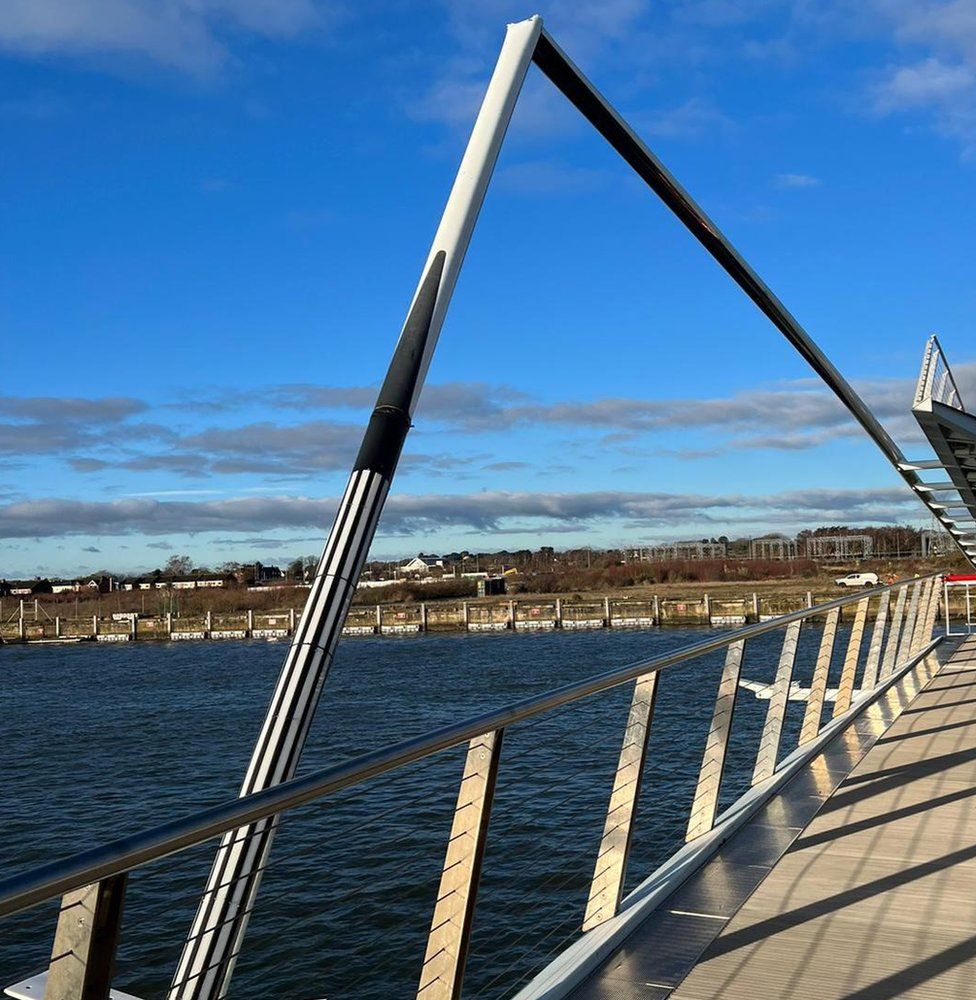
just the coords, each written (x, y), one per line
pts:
(686, 550)
(772, 547)
(194, 581)
(266, 574)
(839, 546)
(422, 564)
(27, 588)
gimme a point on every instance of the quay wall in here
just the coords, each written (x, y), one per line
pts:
(33, 625)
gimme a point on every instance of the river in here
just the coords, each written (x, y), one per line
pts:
(100, 740)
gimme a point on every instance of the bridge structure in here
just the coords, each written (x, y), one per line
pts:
(843, 868)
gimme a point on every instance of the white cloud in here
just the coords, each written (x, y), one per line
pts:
(695, 117)
(188, 36)
(796, 181)
(589, 29)
(922, 84)
(486, 511)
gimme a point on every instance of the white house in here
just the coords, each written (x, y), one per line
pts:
(421, 564)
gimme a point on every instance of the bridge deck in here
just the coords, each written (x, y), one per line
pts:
(872, 891)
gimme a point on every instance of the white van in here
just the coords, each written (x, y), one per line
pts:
(858, 580)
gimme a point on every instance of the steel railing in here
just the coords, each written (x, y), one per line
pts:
(935, 381)
(903, 619)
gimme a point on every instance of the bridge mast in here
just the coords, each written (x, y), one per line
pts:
(215, 937)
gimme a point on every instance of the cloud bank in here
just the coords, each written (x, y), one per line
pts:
(484, 511)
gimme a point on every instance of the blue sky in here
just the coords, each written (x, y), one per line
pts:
(215, 213)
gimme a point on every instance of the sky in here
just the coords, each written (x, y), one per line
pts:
(216, 211)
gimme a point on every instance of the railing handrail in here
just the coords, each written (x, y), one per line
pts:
(49, 881)
(926, 388)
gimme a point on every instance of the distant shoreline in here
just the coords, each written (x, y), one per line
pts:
(726, 605)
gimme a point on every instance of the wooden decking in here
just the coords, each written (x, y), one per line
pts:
(874, 896)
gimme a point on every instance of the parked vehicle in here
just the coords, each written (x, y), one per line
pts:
(858, 580)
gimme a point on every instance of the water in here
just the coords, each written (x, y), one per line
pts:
(101, 740)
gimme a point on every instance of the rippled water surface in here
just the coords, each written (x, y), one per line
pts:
(101, 740)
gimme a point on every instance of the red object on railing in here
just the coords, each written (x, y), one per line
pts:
(960, 578)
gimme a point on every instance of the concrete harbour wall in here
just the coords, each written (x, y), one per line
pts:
(34, 625)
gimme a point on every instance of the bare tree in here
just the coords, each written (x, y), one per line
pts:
(178, 566)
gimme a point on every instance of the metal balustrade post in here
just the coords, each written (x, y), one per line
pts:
(779, 699)
(871, 665)
(921, 636)
(932, 610)
(921, 613)
(442, 974)
(908, 627)
(610, 870)
(937, 597)
(818, 686)
(894, 633)
(85, 942)
(848, 675)
(705, 803)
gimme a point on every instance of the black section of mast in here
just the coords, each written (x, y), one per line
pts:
(390, 421)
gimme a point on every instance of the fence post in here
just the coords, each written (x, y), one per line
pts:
(169, 624)
(57, 626)
(250, 622)
(85, 942)
(705, 804)
(755, 605)
(657, 610)
(607, 885)
(94, 624)
(423, 616)
(450, 929)
(606, 610)
(559, 613)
